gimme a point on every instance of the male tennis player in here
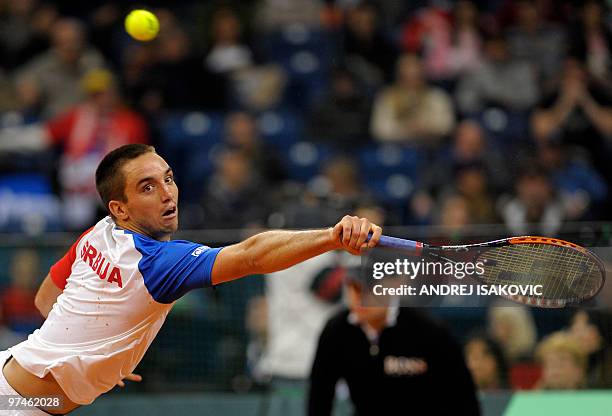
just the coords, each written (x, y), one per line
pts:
(107, 298)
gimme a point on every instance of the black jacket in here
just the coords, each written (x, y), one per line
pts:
(414, 368)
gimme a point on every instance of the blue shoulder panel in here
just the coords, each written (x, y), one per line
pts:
(172, 268)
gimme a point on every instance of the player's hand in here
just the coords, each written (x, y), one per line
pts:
(351, 234)
(130, 377)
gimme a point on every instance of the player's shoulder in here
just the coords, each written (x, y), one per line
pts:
(146, 245)
(102, 227)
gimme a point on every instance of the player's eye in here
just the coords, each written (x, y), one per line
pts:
(148, 188)
(169, 179)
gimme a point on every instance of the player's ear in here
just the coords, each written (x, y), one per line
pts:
(118, 209)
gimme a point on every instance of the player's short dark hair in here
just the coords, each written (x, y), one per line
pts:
(110, 180)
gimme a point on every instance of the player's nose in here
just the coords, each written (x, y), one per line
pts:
(166, 193)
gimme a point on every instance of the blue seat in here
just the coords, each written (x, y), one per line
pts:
(392, 171)
(280, 129)
(187, 140)
(306, 55)
(393, 190)
(383, 160)
(303, 160)
(193, 128)
(195, 171)
(282, 44)
(505, 128)
(28, 204)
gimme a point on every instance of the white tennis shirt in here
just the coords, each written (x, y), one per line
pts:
(118, 286)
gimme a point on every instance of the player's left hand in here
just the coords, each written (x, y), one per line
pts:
(351, 233)
(130, 377)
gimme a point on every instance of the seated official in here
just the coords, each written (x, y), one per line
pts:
(394, 361)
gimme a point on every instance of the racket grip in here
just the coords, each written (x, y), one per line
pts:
(400, 243)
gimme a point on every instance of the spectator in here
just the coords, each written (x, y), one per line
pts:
(341, 117)
(535, 41)
(578, 113)
(227, 53)
(422, 207)
(106, 28)
(499, 81)
(85, 133)
(563, 363)
(593, 331)
(450, 46)
(17, 301)
(469, 147)
(534, 209)
(385, 353)
(513, 328)
(241, 133)
(368, 53)
(336, 189)
(274, 15)
(296, 315)
(591, 42)
(454, 214)
(471, 182)
(486, 362)
(232, 197)
(450, 212)
(50, 81)
(466, 50)
(410, 111)
(259, 87)
(582, 190)
(171, 76)
(8, 100)
(25, 31)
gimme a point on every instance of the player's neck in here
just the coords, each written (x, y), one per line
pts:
(139, 230)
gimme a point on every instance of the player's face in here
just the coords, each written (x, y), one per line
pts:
(152, 197)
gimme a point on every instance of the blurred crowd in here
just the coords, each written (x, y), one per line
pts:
(509, 354)
(279, 113)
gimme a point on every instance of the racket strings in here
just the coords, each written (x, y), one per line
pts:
(564, 272)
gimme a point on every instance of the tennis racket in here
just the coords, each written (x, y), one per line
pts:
(569, 274)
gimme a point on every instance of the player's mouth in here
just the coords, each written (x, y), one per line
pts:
(170, 212)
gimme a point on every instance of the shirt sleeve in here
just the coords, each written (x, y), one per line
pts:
(61, 270)
(176, 267)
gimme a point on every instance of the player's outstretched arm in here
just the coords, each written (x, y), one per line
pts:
(46, 296)
(272, 251)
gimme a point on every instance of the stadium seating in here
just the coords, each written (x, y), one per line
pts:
(392, 171)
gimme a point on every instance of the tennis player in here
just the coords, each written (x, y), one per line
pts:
(107, 298)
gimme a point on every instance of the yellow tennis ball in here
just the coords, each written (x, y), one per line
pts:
(142, 25)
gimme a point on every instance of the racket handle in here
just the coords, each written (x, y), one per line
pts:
(400, 243)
